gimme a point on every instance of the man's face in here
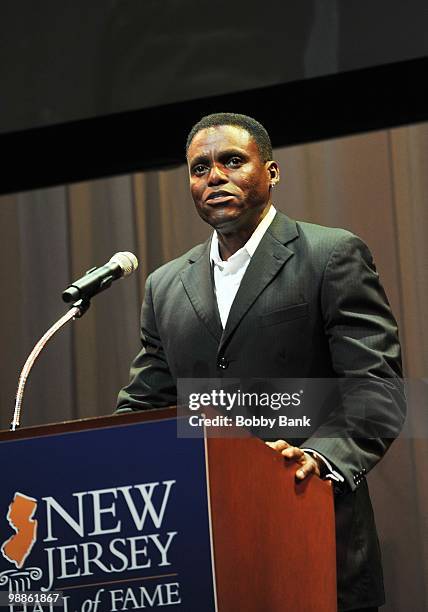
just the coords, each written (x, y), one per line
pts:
(229, 182)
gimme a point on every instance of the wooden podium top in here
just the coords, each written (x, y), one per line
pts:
(89, 423)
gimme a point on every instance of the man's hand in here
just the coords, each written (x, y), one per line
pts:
(307, 464)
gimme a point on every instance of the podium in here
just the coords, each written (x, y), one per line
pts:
(121, 513)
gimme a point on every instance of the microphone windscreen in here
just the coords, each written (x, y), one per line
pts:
(126, 260)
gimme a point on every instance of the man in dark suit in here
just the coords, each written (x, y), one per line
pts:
(269, 297)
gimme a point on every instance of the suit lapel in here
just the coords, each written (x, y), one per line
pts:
(268, 259)
(270, 256)
(198, 284)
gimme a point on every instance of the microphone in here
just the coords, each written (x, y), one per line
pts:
(98, 279)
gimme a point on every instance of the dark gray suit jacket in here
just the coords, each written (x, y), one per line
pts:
(310, 306)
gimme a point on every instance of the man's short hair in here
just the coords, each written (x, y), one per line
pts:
(253, 127)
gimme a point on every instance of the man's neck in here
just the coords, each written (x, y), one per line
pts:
(231, 242)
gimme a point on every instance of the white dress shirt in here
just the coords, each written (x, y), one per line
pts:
(229, 274)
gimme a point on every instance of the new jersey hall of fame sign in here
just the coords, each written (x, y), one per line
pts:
(115, 519)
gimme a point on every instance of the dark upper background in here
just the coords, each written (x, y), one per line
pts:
(122, 81)
(63, 61)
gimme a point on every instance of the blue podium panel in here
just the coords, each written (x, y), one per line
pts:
(115, 518)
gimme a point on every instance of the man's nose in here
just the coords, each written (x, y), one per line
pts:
(216, 176)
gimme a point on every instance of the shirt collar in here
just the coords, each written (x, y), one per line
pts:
(252, 243)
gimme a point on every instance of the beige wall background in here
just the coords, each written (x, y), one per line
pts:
(374, 184)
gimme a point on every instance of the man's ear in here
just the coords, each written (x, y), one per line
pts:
(273, 170)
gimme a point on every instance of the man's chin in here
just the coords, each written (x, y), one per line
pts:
(225, 220)
(226, 224)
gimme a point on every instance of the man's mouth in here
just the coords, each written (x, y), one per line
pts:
(218, 197)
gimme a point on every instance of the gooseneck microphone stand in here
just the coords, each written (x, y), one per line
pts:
(122, 264)
(77, 310)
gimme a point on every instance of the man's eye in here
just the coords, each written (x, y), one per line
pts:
(199, 169)
(234, 162)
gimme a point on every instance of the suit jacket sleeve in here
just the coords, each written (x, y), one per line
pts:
(365, 353)
(151, 383)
